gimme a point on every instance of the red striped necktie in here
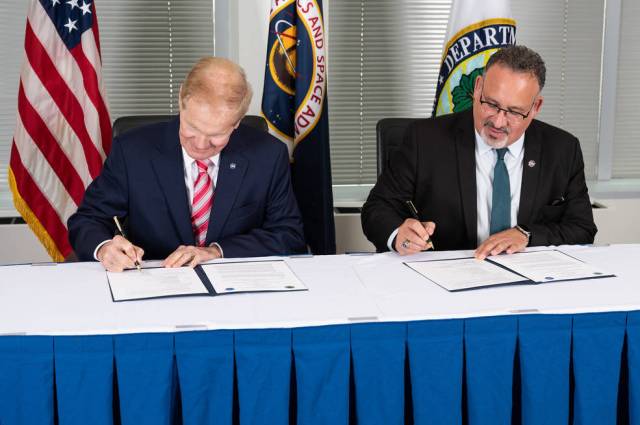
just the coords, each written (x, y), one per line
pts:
(202, 201)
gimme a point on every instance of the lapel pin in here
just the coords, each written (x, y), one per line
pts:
(232, 165)
(531, 164)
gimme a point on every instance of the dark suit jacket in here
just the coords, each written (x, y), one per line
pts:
(435, 167)
(254, 211)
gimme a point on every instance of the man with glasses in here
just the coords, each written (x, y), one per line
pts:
(492, 179)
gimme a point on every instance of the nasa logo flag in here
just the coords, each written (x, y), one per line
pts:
(476, 30)
(294, 103)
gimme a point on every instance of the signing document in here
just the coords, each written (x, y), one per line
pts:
(252, 276)
(548, 266)
(525, 267)
(207, 279)
(464, 273)
(155, 283)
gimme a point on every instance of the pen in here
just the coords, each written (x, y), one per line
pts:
(115, 218)
(414, 214)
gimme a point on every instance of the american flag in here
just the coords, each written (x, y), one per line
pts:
(63, 130)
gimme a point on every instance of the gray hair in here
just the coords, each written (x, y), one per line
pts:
(520, 59)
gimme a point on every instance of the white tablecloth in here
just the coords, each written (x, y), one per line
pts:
(74, 298)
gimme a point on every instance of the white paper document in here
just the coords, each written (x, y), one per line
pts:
(548, 266)
(154, 283)
(252, 276)
(464, 273)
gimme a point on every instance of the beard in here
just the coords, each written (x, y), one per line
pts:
(493, 141)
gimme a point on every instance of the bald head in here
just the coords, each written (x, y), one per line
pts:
(220, 83)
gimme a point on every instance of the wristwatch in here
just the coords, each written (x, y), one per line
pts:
(525, 231)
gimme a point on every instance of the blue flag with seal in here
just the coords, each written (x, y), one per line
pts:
(294, 103)
(476, 30)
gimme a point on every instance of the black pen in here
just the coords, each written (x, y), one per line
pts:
(115, 218)
(414, 214)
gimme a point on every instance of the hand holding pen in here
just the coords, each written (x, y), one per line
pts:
(118, 253)
(121, 231)
(414, 235)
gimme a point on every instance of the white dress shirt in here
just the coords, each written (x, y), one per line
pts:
(486, 158)
(190, 174)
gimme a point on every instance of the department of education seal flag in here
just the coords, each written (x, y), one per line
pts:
(294, 103)
(476, 30)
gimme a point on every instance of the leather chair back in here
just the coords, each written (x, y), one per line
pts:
(124, 124)
(389, 135)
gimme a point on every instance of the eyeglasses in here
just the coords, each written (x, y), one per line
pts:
(494, 109)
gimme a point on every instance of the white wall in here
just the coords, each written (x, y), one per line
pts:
(617, 222)
(252, 45)
(20, 245)
(241, 31)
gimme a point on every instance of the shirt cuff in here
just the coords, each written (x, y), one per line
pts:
(390, 240)
(219, 248)
(95, 251)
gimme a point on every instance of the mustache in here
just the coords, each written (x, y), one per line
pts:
(504, 130)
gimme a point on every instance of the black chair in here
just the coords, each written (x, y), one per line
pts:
(389, 135)
(124, 124)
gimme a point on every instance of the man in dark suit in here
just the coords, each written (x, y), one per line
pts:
(199, 187)
(494, 178)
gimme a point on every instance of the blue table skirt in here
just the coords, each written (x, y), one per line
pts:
(538, 369)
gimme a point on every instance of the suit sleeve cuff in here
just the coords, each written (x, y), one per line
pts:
(95, 251)
(391, 239)
(219, 248)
